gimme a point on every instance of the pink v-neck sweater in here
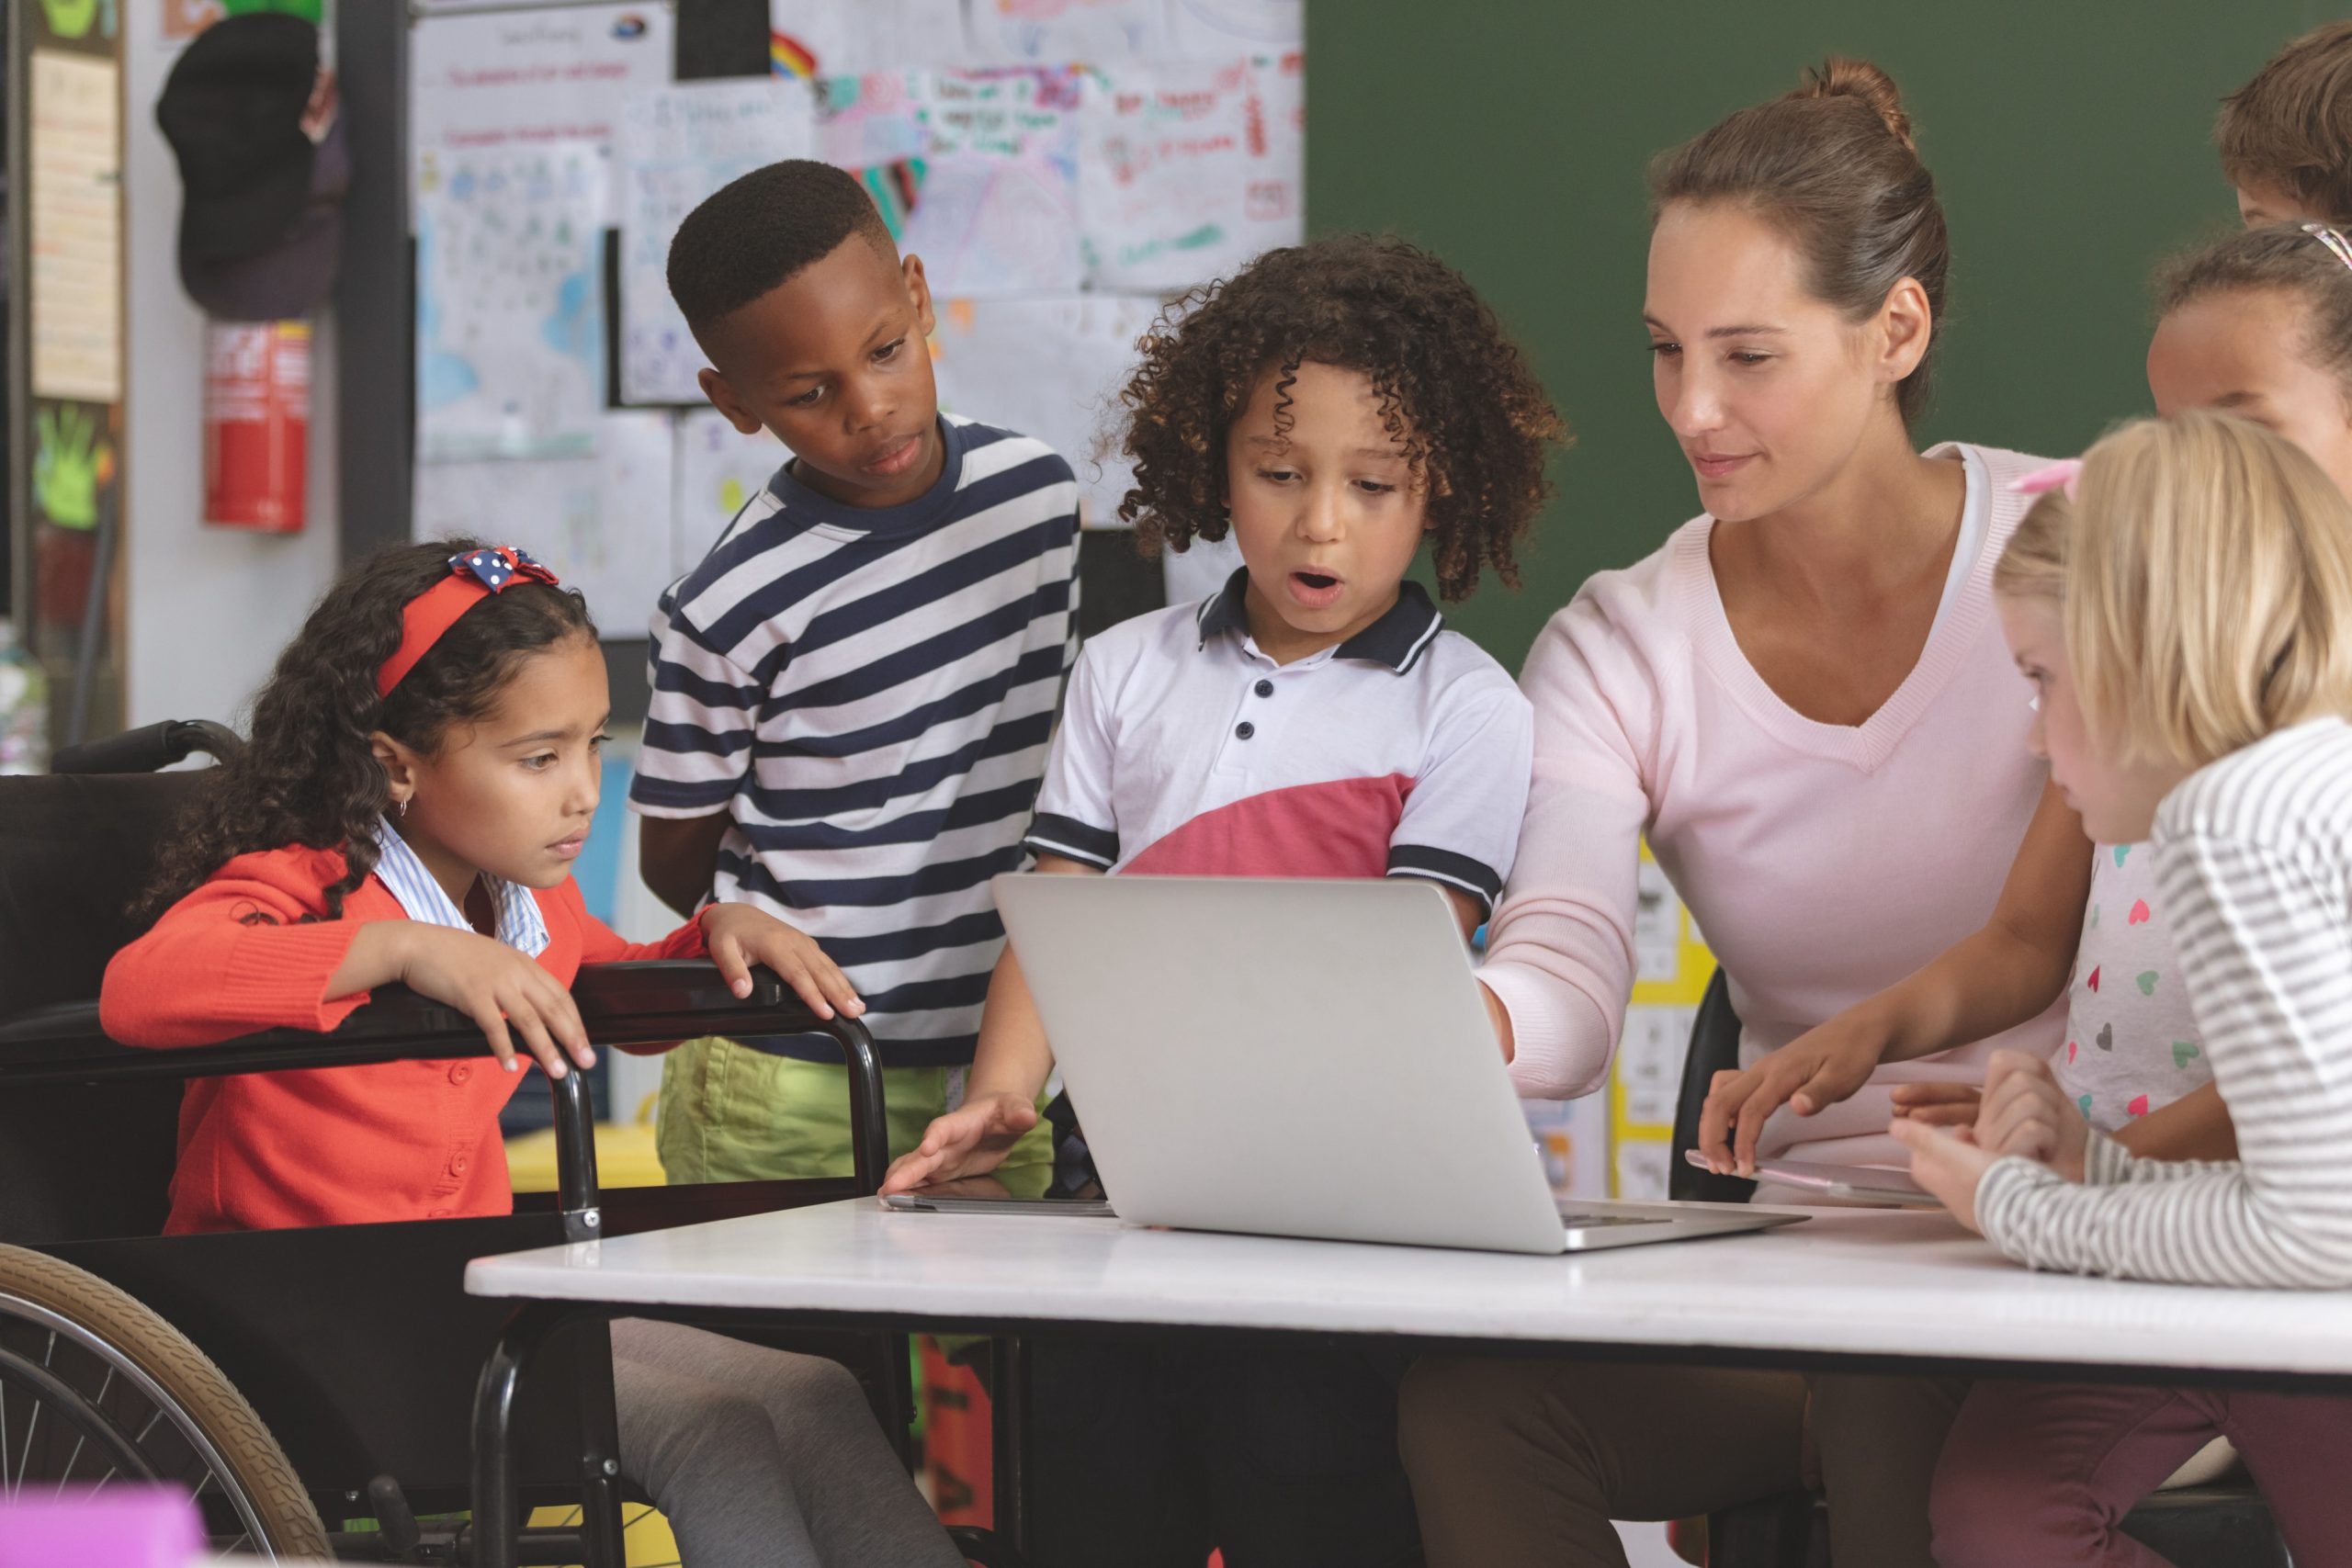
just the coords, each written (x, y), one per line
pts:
(1821, 861)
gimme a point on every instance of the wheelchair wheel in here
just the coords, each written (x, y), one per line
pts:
(96, 1388)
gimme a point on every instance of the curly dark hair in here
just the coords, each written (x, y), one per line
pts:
(309, 775)
(1454, 390)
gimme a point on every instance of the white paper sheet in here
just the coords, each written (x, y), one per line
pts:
(851, 36)
(510, 353)
(719, 469)
(1052, 368)
(676, 146)
(73, 155)
(1188, 169)
(996, 209)
(553, 74)
(1217, 27)
(1057, 32)
(602, 522)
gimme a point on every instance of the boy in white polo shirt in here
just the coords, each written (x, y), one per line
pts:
(1335, 405)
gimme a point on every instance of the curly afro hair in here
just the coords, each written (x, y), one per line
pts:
(1454, 390)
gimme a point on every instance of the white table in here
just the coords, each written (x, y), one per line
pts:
(1871, 1283)
(1862, 1288)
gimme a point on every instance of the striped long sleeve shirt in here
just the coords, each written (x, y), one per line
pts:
(868, 695)
(2254, 854)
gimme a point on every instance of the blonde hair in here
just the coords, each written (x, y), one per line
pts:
(2203, 573)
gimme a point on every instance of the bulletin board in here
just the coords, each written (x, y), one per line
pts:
(64, 274)
(1063, 167)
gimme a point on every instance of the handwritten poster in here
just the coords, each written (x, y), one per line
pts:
(510, 349)
(1051, 368)
(529, 77)
(818, 38)
(719, 469)
(1210, 28)
(74, 154)
(1188, 169)
(675, 147)
(601, 521)
(1059, 31)
(996, 212)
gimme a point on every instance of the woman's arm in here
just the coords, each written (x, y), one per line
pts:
(1559, 963)
(1998, 977)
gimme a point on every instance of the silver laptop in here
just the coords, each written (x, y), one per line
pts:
(1307, 1058)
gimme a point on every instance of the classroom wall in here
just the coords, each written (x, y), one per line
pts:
(2071, 143)
(207, 608)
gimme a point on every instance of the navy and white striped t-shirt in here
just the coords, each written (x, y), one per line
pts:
(870, 693)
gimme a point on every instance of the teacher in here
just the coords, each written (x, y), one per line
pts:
(1804, 702)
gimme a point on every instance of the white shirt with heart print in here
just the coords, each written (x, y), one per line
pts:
(2130, 1045)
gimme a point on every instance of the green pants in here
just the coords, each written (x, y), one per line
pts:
(732, 1114)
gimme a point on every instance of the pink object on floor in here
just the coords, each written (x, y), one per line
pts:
(122, 1526)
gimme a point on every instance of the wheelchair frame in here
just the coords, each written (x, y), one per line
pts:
(623, 1004)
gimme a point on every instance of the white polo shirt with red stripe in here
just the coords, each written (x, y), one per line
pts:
(1183, 751)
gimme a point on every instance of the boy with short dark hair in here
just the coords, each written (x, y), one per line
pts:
(853, 693)
(2286, 136)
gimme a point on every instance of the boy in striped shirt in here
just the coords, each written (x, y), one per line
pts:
(851, 694)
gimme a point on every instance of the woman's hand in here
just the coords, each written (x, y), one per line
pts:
(738, 936)
(504, 992)
(1815, 1070)
(1948, 1164)
(970, 1140)
(2025, 1112)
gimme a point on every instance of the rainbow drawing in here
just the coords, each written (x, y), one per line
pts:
(787, 56)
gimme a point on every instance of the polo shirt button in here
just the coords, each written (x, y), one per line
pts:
(1245, 729)
(437, 1214)
(457, 1166)
(462, 1072)
(1265, 688)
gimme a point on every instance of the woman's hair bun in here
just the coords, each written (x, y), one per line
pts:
(1839, 77)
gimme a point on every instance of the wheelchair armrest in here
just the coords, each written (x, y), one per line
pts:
(656, 1002)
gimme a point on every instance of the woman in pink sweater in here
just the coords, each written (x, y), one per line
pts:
(1804, 702)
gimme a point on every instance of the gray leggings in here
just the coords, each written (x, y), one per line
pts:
(763, 1458)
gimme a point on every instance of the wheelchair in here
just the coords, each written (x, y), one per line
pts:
(296, 1380)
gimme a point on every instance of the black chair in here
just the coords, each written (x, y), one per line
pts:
(355, 1347)
(2225, 1525)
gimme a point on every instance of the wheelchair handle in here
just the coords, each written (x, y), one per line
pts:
(149, 748)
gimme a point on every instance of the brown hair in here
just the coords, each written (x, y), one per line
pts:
(2291, 126)
(1834, 165)
(2283, 258)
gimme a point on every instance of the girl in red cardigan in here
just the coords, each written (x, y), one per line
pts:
(423, 771)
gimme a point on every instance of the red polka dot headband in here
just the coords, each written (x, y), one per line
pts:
(474, 575)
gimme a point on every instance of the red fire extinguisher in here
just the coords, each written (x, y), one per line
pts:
(256, 424)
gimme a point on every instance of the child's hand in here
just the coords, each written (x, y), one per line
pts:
(499, 988)
(973, 1138)
(2025, 1112)
(1948, 1164)
(740, 936)
(1939, 1104)
(1815, 1070)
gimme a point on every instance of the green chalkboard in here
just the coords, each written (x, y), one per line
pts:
(2071, 140)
